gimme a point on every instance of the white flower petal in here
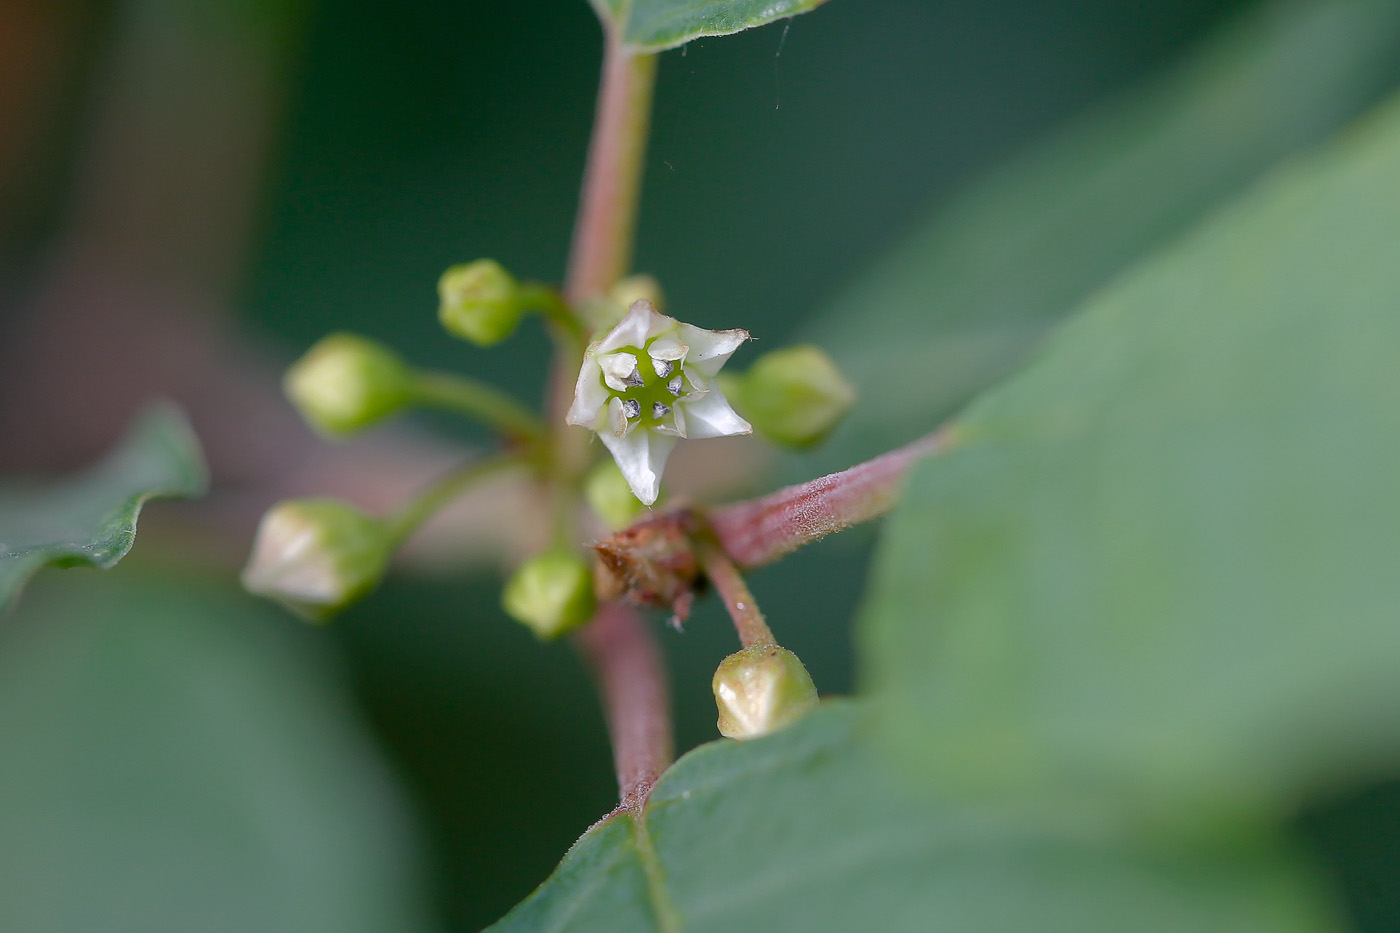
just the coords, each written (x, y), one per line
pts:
(589, 395)
(658, 323)
(617, 418)
(712, 416)
(667, 348)
(641, 323)
(619, 371)
(710, 349)
(641, 456)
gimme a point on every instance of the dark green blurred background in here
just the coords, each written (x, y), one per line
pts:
(392, 140)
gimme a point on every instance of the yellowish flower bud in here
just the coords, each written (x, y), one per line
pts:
(792, 396)
(607, 493)
(761, 689)
(634, 288)
(479, 302)
(552, 593)
(345, 383)
(317, 556)
(602, 312)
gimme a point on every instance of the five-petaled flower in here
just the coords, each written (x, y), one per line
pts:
(649, 382)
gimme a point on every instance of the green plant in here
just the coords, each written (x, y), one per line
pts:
(1135, 602)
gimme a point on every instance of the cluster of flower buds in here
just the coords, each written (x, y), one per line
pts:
(646, 383)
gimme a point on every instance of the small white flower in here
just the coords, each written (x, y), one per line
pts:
(649, 382)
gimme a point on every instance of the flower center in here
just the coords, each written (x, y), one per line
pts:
(652, 387)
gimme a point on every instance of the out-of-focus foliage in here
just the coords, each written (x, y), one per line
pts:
(973, 291)
(808, 830)
(1157, 568)
(90, 519)
(179, 758)
(654, 25)
(1138, 611)
(412, 141)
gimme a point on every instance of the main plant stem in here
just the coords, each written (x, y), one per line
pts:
(607, 219)
(632, 681)
(604, 232)
(617, 643)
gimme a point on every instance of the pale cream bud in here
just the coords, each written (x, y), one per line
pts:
(317, 556)
(761, 689)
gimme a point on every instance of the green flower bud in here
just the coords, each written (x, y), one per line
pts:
(317, 556)
(345, 383)
(552, 593)
(761, 689)
(607, 493)
(793, 396)
(479, 302)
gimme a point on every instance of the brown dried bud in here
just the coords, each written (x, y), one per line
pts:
(652, 562)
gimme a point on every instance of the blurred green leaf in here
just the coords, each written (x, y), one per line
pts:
(179, 758)
(655, 25)
(806, 830)
(1159, 563)
(968, 296)
(90, 519)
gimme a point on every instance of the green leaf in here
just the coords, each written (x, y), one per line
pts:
(656, 25)
(90, 519)
(806, 830)
(177, 757)
(974, 291)
(1159, 563)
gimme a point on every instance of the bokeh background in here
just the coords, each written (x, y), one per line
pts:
(192, 191)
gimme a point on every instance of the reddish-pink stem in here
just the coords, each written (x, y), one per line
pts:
(618, 644)
(632, 680)
(761, 530)
(738, 600)
(607, 216)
